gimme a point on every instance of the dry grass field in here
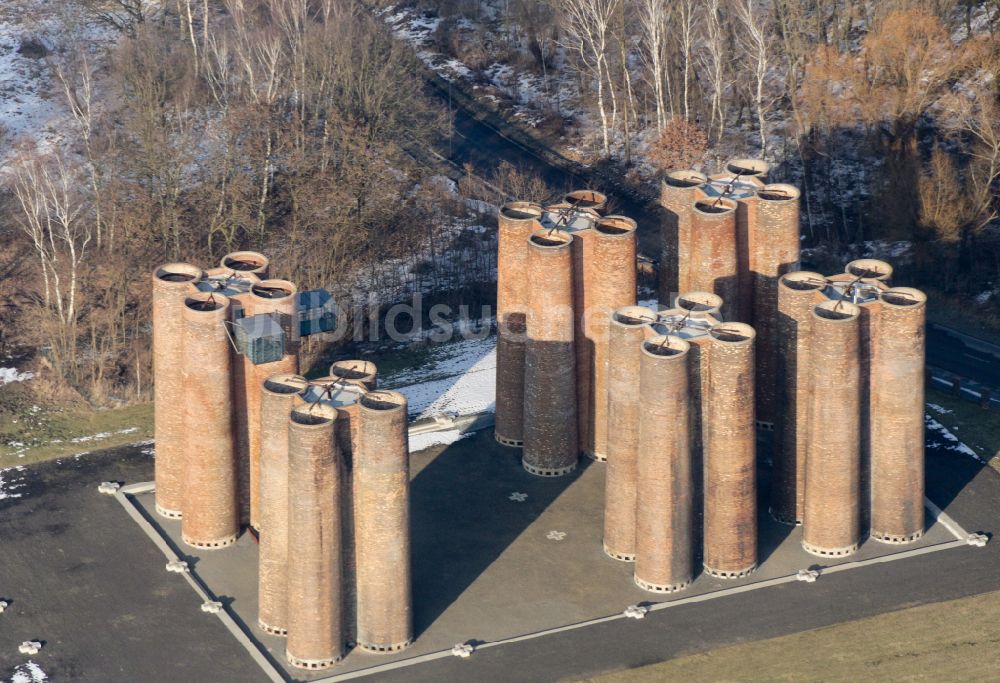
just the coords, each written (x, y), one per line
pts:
(949, 641)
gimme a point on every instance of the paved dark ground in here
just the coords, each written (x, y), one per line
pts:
(82, 577)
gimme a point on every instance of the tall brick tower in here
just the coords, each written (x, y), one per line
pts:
(611, 275)
(382, 530)
(550, 422)
(315, 582)
(210, 491)
(628, 328)
(730, 485)
(664, 519)
(172, 283)
(832, 519)
(897, 417)
(517, 220)
(279, 394)
(797, 294)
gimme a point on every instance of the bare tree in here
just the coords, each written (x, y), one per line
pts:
(755, 39)
(588, 34)
(78, 89)
(712, 59)
(653, 26)
(686, 27)
(124, 16)
(53, 217)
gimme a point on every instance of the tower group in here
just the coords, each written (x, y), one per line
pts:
(674, 398)
(318, 469)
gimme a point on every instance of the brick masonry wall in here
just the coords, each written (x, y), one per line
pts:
(210, 505)
(627, 330)
(172, 282)
(550, 421)
(831, 524)
(664, 542)
(897, 420)
(730, 483)
(315, 620)
(278, 395)
(382, 530)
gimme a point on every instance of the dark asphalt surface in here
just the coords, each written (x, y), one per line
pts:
(83, 578)
(962, 355)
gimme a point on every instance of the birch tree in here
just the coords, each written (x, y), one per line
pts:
(755, 41)
(588, 34)
(53, 217)
(686, 26)
(712, 60)
(653, 27)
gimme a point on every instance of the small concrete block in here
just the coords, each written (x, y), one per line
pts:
(29, 647)
(977, 540)
(178, 566)
(462, 650)
(109, 488)
(636, 612)
(211, 606)
(807, 575)
(3, 605)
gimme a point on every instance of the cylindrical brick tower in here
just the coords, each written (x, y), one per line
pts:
(775, 251)
(629, 327)
(713, 264)
(361, 372)
(613, 281)
(870, 269)
(550, 424)
(861, 283)
(700, 304)
(586, 199)
(246, 262)
(701, 309)
(382, 540)
(730, 522)
(278, 298)
(664, 544)
(315, 622)
(172, 283)
(345, 396)
(280, 393)
(797, 294)
(831, 525)
(517, 220)
(897, 418)
(749, 168)
(210, 512)
(678, 192)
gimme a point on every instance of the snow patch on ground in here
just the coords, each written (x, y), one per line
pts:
(940, 410)
(32, 106)
(103, 435)
(457, 378)
(938, 436)
(11, 479)
(29, 672)
(8, 375)
(419, 442)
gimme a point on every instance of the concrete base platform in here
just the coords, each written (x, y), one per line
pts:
(499, 554)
